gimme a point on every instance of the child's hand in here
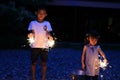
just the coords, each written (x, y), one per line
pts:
(30, 35)
(105, 60)
(83, 66)
(50, 37)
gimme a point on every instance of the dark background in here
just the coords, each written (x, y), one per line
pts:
(69, 23)
(114, 1)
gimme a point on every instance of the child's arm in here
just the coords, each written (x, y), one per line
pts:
(49, 35)
(102, 54)
(31, 33)
(83, 57)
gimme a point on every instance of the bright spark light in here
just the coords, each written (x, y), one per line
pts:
(101, 76)
(31, 40)
(51, 43)
(103, 64)
(81, 72)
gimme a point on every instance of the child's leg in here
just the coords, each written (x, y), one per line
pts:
(33, 70)
(44, 69)
(87, 77)
(44, 58)
(34, 57)
(95, 77)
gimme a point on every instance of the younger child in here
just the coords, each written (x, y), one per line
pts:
(90, 59)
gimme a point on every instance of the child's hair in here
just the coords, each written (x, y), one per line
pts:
(40, 8)
(91, 33)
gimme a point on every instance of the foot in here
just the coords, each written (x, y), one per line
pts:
(33, 78)
(43, 79)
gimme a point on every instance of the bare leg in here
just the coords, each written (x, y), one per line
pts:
(44, 69)
(33, 70)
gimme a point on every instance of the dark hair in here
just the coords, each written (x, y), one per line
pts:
(40, 8)
(91, 33)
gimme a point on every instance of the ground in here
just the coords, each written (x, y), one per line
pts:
(15, 64)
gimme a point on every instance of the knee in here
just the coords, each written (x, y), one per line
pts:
(34, 63)
(43, 64)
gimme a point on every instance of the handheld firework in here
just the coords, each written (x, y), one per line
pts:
(31, 40)
(51, 39)
(103, 63)
(50, 42)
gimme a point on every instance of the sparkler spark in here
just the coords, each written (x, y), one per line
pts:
(31, 40)
(51, 43)
(101, 76)
(103, 64)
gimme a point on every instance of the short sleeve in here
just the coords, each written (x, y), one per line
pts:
(49, 28)
(30, 27)
(98, 47)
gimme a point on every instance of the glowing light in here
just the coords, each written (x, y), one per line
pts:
(101, 76)
(31, 40)
(81, 72)
(51, 43)
(103, 64)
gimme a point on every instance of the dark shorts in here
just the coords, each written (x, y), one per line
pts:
(91, 77)
(39, 52)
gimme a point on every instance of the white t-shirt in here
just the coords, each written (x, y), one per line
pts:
(40, 33)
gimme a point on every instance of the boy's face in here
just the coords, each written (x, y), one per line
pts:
(41, 14)
(93, 41)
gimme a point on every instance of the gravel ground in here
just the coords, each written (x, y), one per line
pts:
(15, 64)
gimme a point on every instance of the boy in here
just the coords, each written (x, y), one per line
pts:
(39, 29)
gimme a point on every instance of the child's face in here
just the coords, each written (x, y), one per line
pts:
(41, 15)
(93, 41)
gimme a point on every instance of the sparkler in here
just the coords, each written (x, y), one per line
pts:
(51, 43)
(103, 63)
(31, 40)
